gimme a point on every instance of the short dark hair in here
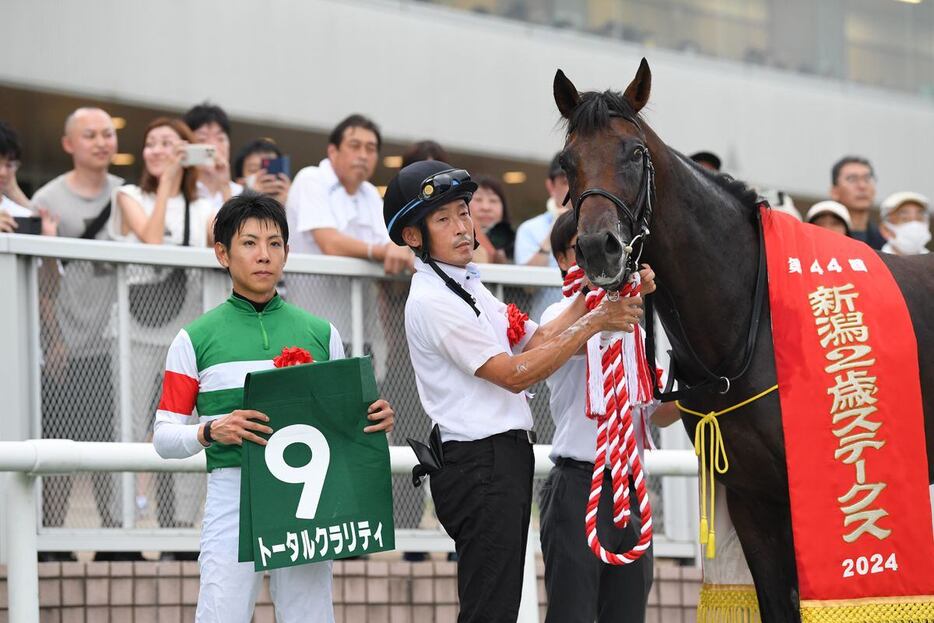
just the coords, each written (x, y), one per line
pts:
(554, 168)
(257, 146)
(424, 150)
(355, 121)
(493, 185)
(247, 205)
(9, 142)
(205, 113)
(563, 232)
(845, 160)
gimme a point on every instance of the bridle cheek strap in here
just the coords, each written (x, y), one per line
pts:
(638, 218)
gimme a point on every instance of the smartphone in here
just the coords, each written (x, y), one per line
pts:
(275, 166)
(28, 225)
(197, 154)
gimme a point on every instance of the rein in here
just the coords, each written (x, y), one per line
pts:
(711, 379)
(616, 381)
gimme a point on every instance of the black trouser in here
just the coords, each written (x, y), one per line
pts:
(580, 587)
(483, 498)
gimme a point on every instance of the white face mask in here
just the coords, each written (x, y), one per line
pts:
(910, 238)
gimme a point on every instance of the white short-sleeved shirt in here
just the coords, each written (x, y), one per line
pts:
(317, 200)
(217, 198)
(448, 342)
(575, 433)
(14, 209)
(202, 212)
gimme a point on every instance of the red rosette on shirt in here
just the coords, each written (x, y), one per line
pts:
(516, 329)
(292, 356)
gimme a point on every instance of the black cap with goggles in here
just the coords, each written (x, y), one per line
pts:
(420, 188)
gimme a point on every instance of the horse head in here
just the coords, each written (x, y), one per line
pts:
(607, 158)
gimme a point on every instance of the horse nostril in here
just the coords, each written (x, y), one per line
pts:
(579, 253)
(612, 246)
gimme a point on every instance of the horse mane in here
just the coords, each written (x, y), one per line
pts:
(737, 189)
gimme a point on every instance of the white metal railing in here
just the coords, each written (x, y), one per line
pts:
(32, 458)
(21, 391)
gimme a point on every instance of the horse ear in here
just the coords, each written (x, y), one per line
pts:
(566, 95)
(637, 93)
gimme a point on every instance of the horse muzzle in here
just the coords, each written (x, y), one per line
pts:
(603, 257)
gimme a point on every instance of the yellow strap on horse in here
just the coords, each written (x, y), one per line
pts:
(713, 460)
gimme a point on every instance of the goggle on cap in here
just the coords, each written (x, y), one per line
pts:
(420, 188)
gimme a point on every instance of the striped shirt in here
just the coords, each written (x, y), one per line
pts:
(208, 361)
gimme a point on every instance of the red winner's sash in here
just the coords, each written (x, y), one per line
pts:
(848, 382)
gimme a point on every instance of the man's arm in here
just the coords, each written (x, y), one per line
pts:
(519, 372)
(393, 257)
(578, 308)
(665, 414)
(175, 436)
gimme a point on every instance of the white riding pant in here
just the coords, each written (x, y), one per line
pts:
(229, 588)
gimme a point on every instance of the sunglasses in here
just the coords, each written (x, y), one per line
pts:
(432, 187)
(442, 182)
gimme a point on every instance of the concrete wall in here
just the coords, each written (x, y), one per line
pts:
(474, 83)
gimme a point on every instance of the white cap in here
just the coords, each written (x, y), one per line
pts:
(781, 201)
(830, 207)
(896, 200)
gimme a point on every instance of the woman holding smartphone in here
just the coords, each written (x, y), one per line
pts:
(164, 208)
(153, 212)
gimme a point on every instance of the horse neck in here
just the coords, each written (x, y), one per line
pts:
(704, 248)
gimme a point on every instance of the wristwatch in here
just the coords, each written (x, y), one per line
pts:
(207, 432)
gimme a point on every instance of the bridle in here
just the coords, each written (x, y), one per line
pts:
(638, 217)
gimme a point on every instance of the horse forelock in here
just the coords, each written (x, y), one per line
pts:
(596, 110)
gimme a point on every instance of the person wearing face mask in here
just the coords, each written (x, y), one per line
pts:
(906, 223)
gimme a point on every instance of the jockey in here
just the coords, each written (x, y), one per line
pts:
(474, 357)
(201, 409)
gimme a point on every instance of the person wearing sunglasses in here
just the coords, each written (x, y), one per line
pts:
(474, 358)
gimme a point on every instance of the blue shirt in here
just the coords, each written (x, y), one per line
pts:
(531, 235)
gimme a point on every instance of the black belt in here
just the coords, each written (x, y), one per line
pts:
(431, 456)
(562, 461)
(517, 434)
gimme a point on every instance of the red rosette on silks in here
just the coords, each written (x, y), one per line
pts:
(292, 356)
(516, 329)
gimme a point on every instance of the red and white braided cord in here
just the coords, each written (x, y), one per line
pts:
(616, 436)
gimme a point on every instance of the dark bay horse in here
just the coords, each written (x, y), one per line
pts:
(704, 248)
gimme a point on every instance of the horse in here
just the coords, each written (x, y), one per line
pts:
(704, 247)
